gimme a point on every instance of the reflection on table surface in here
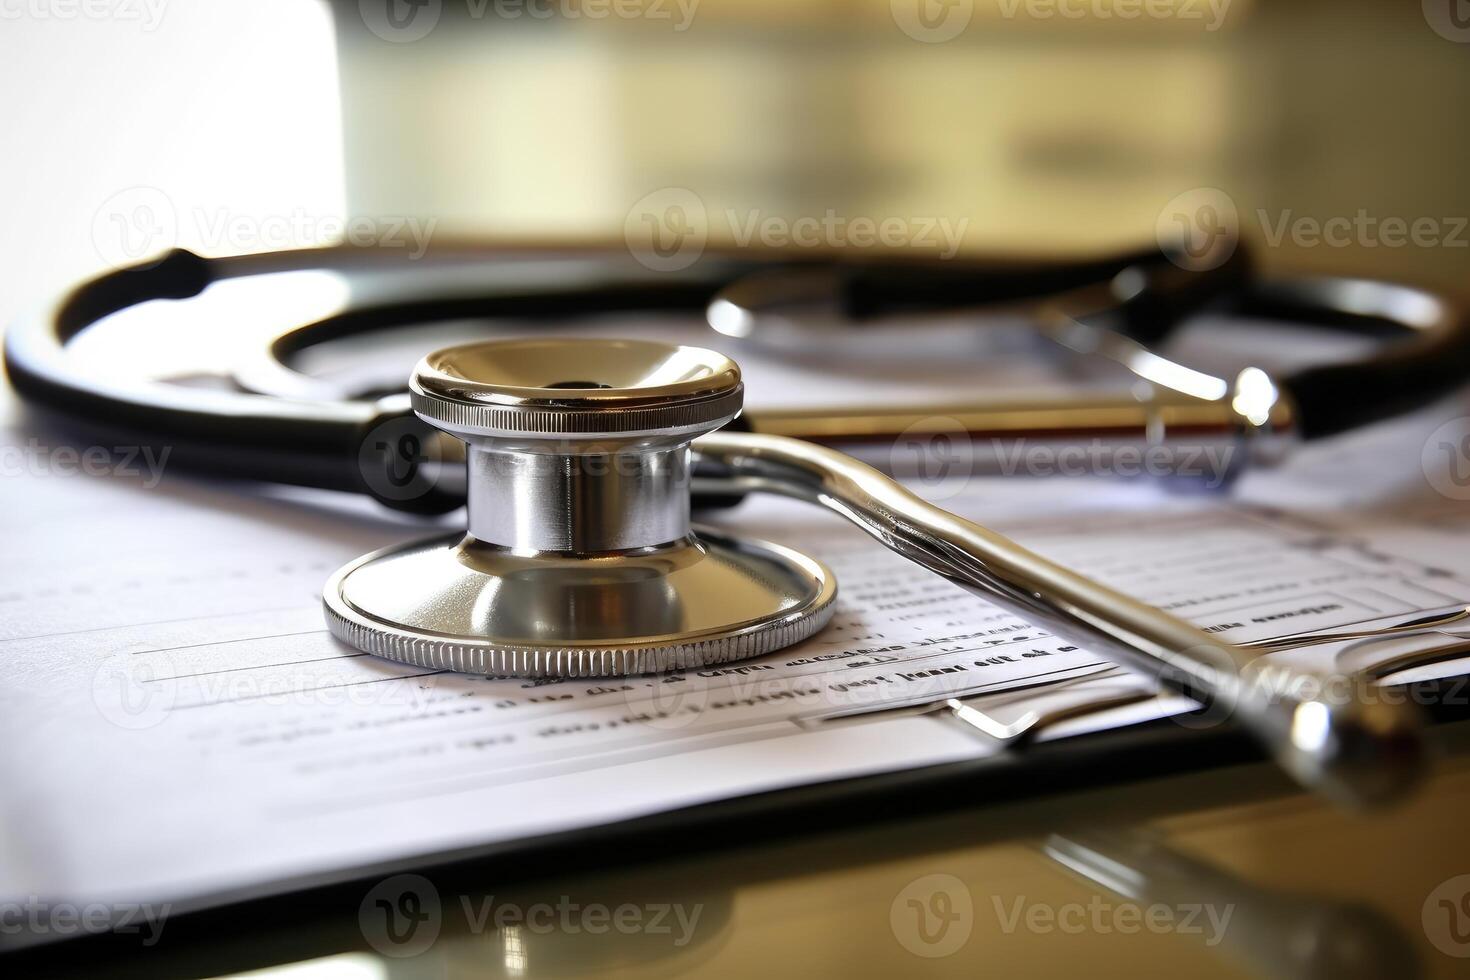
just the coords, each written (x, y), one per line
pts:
(1229, 873)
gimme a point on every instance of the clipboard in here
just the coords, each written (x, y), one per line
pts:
(1115, 758)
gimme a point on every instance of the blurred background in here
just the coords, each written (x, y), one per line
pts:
(1035, 126)
(1332, 131)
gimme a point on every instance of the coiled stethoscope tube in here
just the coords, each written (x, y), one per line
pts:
(1359, 751)
(1118, 306)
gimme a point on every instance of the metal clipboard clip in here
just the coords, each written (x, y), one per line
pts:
(1044, 702)
(1369, 655)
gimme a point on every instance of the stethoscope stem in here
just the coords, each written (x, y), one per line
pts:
(1355, 750)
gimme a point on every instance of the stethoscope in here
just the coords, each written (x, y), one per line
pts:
(577, 458)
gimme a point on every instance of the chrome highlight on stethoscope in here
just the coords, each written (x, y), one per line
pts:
(577, 458)
(580, 560)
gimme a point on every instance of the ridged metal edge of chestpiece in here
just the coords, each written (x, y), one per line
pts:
(572, 421)
(513, 661)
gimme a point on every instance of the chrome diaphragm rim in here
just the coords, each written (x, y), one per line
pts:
(797, 592)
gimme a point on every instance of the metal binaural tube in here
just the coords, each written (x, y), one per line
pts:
(1176, 433)
(582, 450)
(1070, 416)
(1354, 750)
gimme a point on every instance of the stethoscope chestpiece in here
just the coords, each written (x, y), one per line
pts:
(580, 559)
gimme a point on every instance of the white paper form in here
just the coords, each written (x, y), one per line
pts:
(178, 725)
